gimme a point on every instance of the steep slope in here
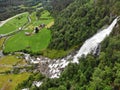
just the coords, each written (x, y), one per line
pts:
(55, 6)
(79, 21)
(91, 44)
(92, 73)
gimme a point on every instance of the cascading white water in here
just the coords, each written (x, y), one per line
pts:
(89, 46)
(56, 66)
(92, 43)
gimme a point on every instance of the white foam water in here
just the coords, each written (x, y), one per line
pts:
(55, 67)
(92, 43)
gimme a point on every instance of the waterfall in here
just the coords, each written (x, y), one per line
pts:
(92, 43)
(53, 68)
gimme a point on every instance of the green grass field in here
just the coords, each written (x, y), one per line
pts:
(46, 14)
(45, 18)
(14, 23)
(33, 43)
(10, 82)
(9, 61)
(1, 42)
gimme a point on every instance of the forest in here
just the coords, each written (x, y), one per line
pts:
(74, 22)
(9, 8)
(77, 21)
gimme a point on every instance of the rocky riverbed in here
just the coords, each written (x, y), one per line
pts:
(53, 68)
(48, 67)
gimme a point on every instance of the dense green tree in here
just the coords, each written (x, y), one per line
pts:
(74, 24)
(79, 21)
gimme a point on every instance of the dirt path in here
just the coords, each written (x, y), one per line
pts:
(13, 32)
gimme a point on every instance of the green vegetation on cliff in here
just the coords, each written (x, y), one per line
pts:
(80, 20)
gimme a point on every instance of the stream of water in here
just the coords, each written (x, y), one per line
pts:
(53, 68)
(92, 43)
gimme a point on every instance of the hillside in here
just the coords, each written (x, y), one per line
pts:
(79, 21)
(76, 23)
(60, 45)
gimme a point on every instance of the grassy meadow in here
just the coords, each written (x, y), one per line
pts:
(10, 81)
(7, 62)
(36, 42)
(14, 24)
(1, 42)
